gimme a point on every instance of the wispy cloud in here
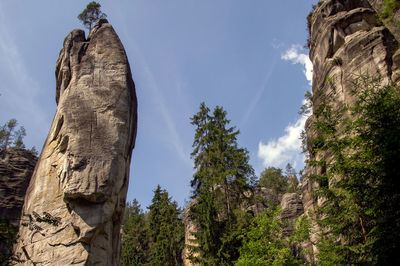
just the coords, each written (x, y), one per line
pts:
(167, 117)
(174, 136)
(258, 95)
(294, 55)
(287, 148)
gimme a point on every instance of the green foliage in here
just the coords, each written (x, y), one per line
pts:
(273, 178)
(91, 14)
(9, 137)
(166, 230)
(155, 238)
(135, 240)
(265, 244)
(358, 176)
(306, 108)
(222, 177)
(388, 9)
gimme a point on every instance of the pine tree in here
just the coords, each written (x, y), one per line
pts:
(91, 14)
(219, 184)
(9, 137)
(135, 243)
(166, 232)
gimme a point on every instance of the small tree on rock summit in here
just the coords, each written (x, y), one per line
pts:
(91, 14)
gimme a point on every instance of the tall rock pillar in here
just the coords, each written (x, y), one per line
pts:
(83, 171)
(346, 41)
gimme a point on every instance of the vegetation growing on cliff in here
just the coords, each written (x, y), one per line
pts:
(358, 176)
(388, 8)
(91, 14)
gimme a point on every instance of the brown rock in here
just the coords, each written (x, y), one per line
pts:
(292, 206)
(16, 168)
(83, 172)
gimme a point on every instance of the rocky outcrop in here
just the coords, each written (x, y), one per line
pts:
(292, 206)
(82, 175)
(16, 168)
(346, 40)
(190, 227)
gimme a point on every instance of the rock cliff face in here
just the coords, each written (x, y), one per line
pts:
(16, 168)
(346, 40)
(83, 171)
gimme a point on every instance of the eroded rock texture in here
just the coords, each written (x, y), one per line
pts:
(83, 171)
(16, 168)
(346, 40)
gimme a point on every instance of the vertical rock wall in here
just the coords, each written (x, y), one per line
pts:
(346, 40)
(16, 168)
(83, 172)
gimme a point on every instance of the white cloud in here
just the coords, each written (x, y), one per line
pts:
(286, 148)
(294, 55)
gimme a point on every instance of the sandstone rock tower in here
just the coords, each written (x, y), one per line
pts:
(83, 171)
(346, 40)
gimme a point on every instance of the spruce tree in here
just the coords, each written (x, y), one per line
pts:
(219, 184)
(135, 243)
(166, 231)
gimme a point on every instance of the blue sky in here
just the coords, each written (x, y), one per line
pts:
(246, 56)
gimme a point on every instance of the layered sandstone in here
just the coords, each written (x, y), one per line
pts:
(82, 175)
(346, 41)
(16, 168)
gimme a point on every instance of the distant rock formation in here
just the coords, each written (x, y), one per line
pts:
(346, 40)
(16, 168)
(83, 172)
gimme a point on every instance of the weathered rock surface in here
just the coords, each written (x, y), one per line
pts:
(292, 206)
(83, 171)
(190, 227)
(16, 168)
(346, 40)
